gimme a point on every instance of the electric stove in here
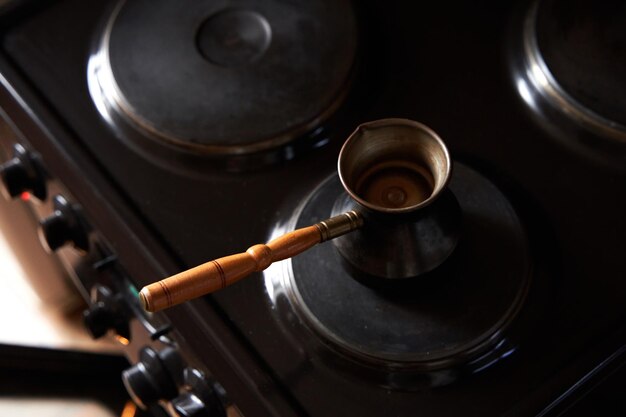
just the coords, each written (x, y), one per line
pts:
(158, 135)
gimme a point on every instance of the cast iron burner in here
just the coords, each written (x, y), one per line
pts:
(573, 73)
(257, 74)
(583, 44)
(454, 316)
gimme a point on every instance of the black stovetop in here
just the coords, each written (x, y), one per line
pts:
(450, 65)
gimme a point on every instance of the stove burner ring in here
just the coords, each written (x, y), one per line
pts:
(211, 79)
(456, 319)
(543, 80)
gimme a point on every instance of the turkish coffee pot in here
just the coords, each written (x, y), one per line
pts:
(396, 219)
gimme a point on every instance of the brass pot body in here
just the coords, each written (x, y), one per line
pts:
(395, 173)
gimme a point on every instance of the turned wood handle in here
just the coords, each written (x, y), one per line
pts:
(219, 273)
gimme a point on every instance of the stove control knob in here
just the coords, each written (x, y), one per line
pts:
(65, 225)
(23, 173)
(155, 377)
(201, 399)
(98, 319)
(190, 405)
(107, 312)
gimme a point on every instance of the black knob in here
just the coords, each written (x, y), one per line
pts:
(201, 399)
(65, 225)
(155, 377)
(23, 173)
(190, 405)
(98, 319)
(107, 312)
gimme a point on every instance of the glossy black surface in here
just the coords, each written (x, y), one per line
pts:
(446, 65)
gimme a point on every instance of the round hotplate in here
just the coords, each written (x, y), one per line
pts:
(448, 317)
(227, 77)
(583, 44)
(572, 71)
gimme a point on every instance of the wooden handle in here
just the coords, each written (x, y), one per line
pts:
(219, 273)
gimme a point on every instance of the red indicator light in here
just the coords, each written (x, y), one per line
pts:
(25, 196)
